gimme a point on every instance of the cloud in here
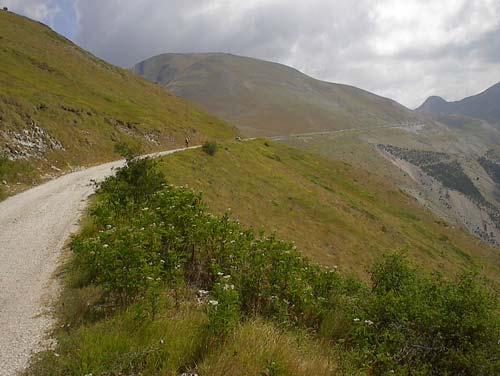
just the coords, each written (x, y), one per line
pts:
(40, 10)
(405, 50)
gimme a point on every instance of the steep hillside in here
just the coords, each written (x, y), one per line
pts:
(485, 105)
(337, 214)
(61, 107)
(264, 98)
(464, 145)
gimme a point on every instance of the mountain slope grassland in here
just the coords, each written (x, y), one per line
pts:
(263, 98)
(338, 215)
(157, 285)
(466, 145)
(61, 107)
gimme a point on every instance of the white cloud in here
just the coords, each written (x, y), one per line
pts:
(40, 10)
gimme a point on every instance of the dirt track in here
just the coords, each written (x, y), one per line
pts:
(34, 226)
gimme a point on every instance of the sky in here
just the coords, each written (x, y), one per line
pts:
(406, 50)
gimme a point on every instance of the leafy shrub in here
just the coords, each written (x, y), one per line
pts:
(426, 325)
(210, 148)
(224, 306)
(149, 236)
(133, 184)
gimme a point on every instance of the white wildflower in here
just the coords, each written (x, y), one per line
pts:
(213, 302)
(356, 320)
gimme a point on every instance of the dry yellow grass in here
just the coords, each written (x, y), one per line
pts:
(258, 348)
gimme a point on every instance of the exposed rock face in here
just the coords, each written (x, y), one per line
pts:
(452, 200)
(30, 142)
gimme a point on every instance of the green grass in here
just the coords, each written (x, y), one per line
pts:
(128, 343)
(147, 249)
(84, 103)
(338, 215)
(259, 348)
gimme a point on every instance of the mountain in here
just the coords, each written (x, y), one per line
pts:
(264, 98)
(61, 107)
(485, 106)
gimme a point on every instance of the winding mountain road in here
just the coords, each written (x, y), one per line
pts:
(34, 226)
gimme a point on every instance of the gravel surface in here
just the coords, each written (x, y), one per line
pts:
(34, 227)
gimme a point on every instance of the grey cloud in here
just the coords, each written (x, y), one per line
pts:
(405, 50)
(43, 11)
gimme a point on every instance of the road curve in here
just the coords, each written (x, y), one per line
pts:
(34, 226)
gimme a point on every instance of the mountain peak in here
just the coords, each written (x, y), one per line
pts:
(433, 105)
(485, 105)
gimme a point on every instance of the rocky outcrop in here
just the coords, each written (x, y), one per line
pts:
(32, 141)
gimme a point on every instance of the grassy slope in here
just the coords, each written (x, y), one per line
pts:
(41, 72)
(264, 98)
(337, 214)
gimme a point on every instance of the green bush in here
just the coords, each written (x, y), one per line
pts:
(224, 306)
(419, 324)
(149, 236)
(133, 184)
(210, 147)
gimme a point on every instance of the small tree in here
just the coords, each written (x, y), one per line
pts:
(210, 147)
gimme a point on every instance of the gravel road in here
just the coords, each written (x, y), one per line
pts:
(34, 227)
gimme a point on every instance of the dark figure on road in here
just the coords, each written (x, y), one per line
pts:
(187, 142)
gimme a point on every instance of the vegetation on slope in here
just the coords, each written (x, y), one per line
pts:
(337, 215)
(61, 107)
(492, 168)
(441, 167)
(159, 286)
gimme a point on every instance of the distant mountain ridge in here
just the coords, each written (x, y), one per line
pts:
(265, 98)
(485, 105)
